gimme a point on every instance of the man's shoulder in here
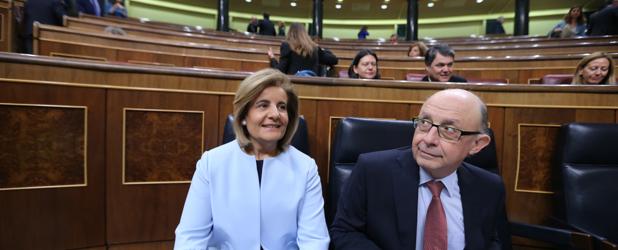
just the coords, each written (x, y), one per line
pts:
(481, 175)
(425, 79)
(456, 78)
(384, 157)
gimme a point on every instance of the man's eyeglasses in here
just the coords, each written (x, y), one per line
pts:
(445, 132)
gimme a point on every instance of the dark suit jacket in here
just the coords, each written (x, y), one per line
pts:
(86, 7)
(454, 78)
(266, 27)
(377, 209)
(604, 22)
(43, 11)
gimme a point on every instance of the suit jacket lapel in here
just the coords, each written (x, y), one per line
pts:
(405, 185)
(469, 202)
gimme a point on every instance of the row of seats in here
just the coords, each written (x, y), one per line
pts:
(587, 208)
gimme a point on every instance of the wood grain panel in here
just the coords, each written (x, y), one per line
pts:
(42, 146)
(58, 218)
(161, 145)
(146, 213)
(536, 144)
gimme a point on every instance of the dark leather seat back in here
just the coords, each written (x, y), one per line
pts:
(355, 136)
(300, 140)
(587, 158)
(557, 79)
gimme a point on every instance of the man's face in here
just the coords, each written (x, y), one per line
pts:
(441, 68)
(440, 157)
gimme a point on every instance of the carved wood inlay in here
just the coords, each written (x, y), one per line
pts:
(536, 148)
(42, 146)
(161, 146)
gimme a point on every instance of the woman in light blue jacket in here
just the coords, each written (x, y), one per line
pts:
(256, 192)
(573, 24)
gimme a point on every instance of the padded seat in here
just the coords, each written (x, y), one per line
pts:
(415, 77)
(557, 79)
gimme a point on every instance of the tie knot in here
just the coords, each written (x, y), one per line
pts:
(435, 187)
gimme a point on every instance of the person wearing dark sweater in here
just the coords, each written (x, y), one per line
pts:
(439, 62)
(266, 27)
(299, 55)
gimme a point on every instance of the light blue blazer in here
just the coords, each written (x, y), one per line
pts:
(227, 209)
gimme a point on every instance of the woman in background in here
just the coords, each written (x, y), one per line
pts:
(363, 33)
(256, 192)
(417, 49)
(573, 24)
(596, 68)
(364, 65)
(299, 55)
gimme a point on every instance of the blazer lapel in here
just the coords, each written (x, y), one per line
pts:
(405, 185)
(469, 202)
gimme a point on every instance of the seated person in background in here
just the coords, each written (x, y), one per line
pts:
(573, 24)
(90, 7)
(417, 49)
(425, 196)
(252, 27)
(281, 28)
(42, 11)
(393, 39)
(117, 9)
(439, 61)
(266, 27)
(364, 65)
(299, 55)
(363, 33)
(596, 68)
(227, 206)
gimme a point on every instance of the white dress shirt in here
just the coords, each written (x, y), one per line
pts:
(451, 201)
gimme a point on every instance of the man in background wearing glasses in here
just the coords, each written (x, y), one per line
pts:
(425, 196)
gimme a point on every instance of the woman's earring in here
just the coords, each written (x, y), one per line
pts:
(244, 122)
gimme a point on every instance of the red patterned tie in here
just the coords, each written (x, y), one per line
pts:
(435, 236)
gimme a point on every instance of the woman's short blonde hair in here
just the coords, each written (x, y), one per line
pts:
(422, 48)
(249, 90)
(610, 78)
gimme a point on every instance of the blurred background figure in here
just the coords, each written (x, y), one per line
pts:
(495, 27)
(596, 68)
(117, 9)
(573, 24)
(605, 21)
(281, 28)
(42, 11)
(299, 55)
(90, 7)
(363, 33)
(417, 49)
(266, 27)
(252, 27)
(394, 39)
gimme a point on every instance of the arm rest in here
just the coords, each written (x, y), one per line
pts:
(556, 236)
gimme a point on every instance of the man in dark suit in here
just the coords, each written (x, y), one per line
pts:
(42, 11)
(266, 27)
(605, 21)
(91, 7)
(439, 61)
(425, 196)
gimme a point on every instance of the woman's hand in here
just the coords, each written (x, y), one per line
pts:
(271, 55)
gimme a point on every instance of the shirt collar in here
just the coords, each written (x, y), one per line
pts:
(450, 181)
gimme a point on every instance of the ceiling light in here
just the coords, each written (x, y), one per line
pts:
(386, 1)
(293, 4)
(383, 6)
(430, 4)
(337, 6)
(248, 1)
(340, 1)
(479, 1)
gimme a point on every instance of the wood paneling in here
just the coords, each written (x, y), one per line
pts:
(143, 213)
(62, 217)
(42, 146)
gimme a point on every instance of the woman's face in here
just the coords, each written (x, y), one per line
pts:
(415, 51)
(595, 71)
(575, 12)
(367, 67)
(267, 119)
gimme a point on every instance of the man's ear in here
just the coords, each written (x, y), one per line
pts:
(480, 142)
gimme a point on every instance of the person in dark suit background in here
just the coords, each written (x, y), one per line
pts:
(42, 11)
(439, 61)
(604, 22)
(266, 27)
(387, 199)
(91, 7)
